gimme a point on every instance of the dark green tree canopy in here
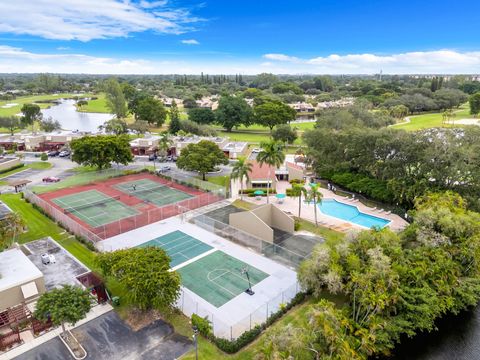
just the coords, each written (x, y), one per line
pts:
(151, 110)
(201, 115)
(232, 112)
(69, 304)
(11, 123)
(284, 133)
(145, 273)
(101, 151)
(474, 101)
(203, 157)
(30, 114)
(175, 125)
(115, 126)
(271, 114)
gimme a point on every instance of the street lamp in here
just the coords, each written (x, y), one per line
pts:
(195, 340)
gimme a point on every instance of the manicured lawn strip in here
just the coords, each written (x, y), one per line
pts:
(425, 121)
(219, 180)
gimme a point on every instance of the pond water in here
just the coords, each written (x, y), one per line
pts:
(457, 338)
(71, 119)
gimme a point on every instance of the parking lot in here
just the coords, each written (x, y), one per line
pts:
(21, 174)
(64, 270)
(108, 337)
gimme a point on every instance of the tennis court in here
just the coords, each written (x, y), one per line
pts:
(219, 277)
(153, 192)
(179, 246)
(94, 207)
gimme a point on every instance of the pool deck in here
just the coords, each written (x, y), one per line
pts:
(290, 206)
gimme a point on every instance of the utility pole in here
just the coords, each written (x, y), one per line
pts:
(195, 341)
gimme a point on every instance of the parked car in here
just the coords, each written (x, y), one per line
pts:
(163, 169)
(53, 153)
(152, 157)
(51, 179)
(169, 158)
(64, 153)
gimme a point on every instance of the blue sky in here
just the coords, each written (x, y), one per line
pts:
(214, 36)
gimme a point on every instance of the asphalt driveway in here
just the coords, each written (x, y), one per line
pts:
(109, 338)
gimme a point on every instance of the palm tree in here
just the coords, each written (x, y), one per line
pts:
(297, 191)
(164, 143)
(240, 171)
(272, 154)
(315, 195)
(10, 227)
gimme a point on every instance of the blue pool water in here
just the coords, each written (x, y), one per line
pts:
(351, 213)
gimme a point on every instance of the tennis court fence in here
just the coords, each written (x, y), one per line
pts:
(62, 218)
(188, 305)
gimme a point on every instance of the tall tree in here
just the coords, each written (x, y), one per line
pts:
(68, 304)
(271, 114)
(474, 101)
(151, 110)
(233, 112)
(241, 170)
(11, 123)
(201, 115)
(315, 195)
(297, 191)
(272, 155)
(202, 157)
(284, 133)
(30, 114)
(10, 227)
(115, 99)
(164, 143)
(147, 275)
(114, 126)
(101, 151)
(175, 125)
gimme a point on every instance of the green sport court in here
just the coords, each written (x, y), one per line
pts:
(218, 277)
(94, 207)
(179, 246)
(153, 192)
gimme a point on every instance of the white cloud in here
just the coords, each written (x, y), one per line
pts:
(441, 61)
(85, 20)
(190, 42)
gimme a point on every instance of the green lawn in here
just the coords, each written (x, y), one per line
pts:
(27, 100)
(219, 180)
(40, 226)
(431, 120)
(98, 105)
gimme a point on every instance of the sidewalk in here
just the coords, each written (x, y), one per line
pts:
(95, 312)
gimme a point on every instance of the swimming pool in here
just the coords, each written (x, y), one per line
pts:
(351, 213)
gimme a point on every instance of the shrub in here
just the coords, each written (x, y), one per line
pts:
(12, 168)
(376, 189)
(296, 181)
(251, 192)
(44, 157)
(203, 325)
(296, 225)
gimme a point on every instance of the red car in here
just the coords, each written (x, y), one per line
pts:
(50, 179)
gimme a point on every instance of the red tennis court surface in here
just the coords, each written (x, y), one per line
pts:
(148, 211)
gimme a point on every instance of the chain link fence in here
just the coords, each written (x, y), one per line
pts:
(189, 305)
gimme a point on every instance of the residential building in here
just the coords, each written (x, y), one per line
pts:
(234, 150)
(20, 280)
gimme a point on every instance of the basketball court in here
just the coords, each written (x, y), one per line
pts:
(179, 246)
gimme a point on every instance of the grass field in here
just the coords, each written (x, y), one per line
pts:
(96, 106)
(431, 120)
(27, 100)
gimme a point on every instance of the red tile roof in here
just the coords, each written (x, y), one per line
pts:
(260, 172)
(295, 166)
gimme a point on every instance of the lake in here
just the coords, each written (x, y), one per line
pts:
(457, 338)
(67, 115)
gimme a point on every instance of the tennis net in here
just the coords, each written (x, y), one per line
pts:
(146, 191)
(90, 204)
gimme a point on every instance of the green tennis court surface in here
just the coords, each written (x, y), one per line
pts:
(153, 192)
(94, 207)
(218, 277)
(179, 246)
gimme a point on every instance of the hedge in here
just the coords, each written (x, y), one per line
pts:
(365, 185)
(251, 192)
(12, 168)
(233, 346)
